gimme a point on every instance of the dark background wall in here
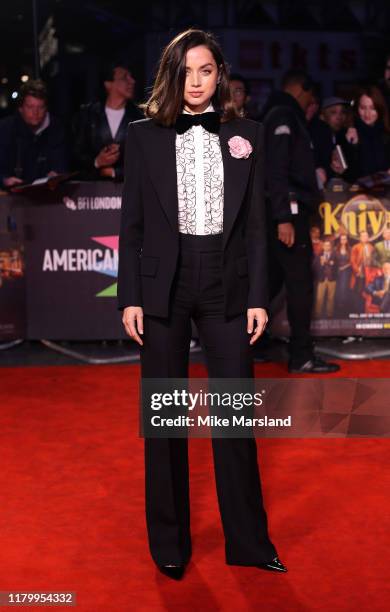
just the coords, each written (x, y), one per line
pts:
(338, 42)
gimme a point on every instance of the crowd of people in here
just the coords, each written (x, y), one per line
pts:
(351, 139)
(34, 144)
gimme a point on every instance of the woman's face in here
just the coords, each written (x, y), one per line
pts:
(238, 93)
(201, 79)
(343, 239)
(367, 111)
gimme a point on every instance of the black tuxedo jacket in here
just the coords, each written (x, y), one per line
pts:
(149, 235)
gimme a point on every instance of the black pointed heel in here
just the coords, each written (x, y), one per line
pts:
(176, 572)
(273, 566)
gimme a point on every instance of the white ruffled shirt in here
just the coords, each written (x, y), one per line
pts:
(200, 178)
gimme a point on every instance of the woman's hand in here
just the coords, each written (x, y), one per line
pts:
(260, 316)
(133, 320)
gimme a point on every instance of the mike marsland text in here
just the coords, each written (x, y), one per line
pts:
(214, 421)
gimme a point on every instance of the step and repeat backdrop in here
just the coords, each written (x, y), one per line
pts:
(59, 261)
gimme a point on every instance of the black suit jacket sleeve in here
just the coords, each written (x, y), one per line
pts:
(255, 230)
(278, 144)
(131, 227)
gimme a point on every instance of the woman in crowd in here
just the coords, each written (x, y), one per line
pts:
(193, 246)
(370, 134)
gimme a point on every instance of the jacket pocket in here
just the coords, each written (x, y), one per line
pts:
(242, 266)
(149, 265)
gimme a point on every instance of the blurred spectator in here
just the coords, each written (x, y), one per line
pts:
(312, 110)
(239, 90)
(384, 84)
(100, 127)
(379, 288)
(32, 141)
(370, 134)
(328, 132)
(382, 249)
(334, 113)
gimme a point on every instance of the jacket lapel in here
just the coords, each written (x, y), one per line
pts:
(236, 175)
(161, 156)
(105, 132)
(120, 135)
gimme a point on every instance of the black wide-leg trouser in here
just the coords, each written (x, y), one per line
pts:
(198, 294)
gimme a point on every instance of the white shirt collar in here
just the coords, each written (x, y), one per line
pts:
(209, 109)
(45, 123)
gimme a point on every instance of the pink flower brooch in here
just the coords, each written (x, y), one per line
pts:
(239, 147)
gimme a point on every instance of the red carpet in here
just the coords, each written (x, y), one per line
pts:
(72, 514)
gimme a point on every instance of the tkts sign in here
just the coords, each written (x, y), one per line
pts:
(362, 213)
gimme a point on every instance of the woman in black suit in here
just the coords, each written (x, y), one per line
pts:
(192, 246)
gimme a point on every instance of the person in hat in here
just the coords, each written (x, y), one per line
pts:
(326, 134)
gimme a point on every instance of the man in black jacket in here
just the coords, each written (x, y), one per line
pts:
(293, 196)
(100, 128)
(32, 141)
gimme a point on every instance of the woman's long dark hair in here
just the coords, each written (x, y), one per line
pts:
(373, 92)
(338, 246)
(166, 100)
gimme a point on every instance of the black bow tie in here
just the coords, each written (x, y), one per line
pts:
(210, 122)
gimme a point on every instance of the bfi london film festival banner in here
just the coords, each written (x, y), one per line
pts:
(351, 265)
(12, 271)
(72, 255)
